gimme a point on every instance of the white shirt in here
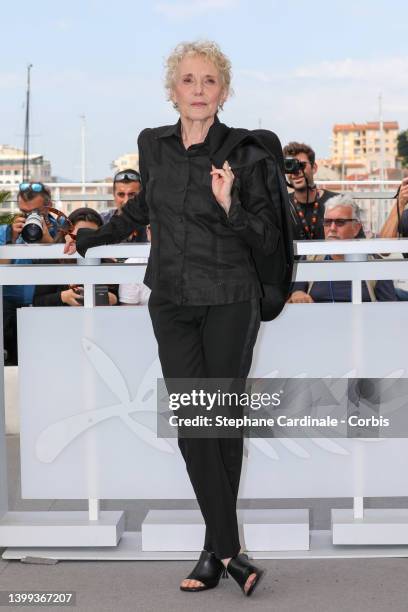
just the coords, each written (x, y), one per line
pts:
(133, 293)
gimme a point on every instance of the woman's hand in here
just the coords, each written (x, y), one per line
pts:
(113, 300)
(70, 298)
(222, 180)
(70, 246)
(300, 297)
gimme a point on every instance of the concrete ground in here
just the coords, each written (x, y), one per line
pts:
(366, 585)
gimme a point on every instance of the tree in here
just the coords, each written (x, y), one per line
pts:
(4, 196)
(5, 218)
(402, 145)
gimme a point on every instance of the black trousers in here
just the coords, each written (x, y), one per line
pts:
(209, 342)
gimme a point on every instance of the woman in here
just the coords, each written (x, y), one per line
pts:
(204, 306)
(72, 295)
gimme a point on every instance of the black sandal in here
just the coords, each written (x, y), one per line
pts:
(240, 568)
(208, 570)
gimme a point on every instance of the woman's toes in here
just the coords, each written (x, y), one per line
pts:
(249, 582)
(191, 584)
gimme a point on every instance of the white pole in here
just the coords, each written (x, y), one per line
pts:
(83, 153)
(357, 298)
(93, 470)
(382, 170)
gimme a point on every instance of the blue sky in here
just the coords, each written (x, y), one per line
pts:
(299, 67)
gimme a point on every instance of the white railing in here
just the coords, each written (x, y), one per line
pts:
(374, 197)
(355, 267)
(103, 191)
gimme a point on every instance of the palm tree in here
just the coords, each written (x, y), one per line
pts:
(4, 196)
(5, 217)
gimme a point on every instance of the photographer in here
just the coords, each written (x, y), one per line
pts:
(126, 185)
(32, 198)
(72, 295)
(342, 221)
(306, 200)
(34, 221)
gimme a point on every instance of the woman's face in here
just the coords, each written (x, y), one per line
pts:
(198, 89)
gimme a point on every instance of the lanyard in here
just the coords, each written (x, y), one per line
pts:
(309, 230)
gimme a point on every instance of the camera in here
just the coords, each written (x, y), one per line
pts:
(79, 289)
(33, 227)
(101, 293)
(293, 165)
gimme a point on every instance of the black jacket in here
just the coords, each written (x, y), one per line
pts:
(199, 254)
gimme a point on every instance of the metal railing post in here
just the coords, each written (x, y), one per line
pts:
(89, 302)
(357, 298)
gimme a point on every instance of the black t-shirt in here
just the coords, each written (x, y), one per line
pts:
(404, 224)
(308, 210)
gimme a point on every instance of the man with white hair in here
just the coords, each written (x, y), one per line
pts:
(342, 221)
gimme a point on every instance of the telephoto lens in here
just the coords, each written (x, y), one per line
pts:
(32, 230)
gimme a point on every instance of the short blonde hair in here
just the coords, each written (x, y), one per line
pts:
(207, 49)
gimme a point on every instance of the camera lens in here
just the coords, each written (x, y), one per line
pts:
(292, 165)
(32, 230)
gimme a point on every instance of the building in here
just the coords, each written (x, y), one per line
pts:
(326, 171)
(12, 162)
(128, 160)
(356, 147)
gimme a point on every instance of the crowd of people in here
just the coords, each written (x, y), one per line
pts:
(35, 196)
(315, 213)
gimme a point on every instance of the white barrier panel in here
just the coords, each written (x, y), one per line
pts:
(3, 456)
(88, 415)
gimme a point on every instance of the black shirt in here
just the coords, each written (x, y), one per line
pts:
(341, 291)
(199, 255)
(50, 295)
(308, 211)
(404, 224)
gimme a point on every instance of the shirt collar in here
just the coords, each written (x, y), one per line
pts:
(215, 137)
(170, 130)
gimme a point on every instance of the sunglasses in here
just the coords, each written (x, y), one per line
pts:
(126, 176)
(338, 222)
(37, 187)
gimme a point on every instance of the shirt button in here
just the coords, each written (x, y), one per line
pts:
(181, 219)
